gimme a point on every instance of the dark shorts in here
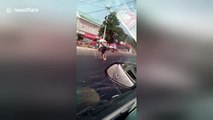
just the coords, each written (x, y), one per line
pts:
(103, 49)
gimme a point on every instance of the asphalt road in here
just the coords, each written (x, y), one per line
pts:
(91, 70)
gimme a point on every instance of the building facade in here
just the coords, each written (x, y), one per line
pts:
(87, 28)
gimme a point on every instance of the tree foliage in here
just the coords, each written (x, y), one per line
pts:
(113, 31)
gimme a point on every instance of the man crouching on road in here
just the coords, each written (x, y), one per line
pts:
(103, 48)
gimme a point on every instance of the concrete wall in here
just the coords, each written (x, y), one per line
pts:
(85, 26)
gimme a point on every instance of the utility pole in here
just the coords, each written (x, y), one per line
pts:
(104, 36)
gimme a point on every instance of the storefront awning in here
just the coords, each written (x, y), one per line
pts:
(90, 36)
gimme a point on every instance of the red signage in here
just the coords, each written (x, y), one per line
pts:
(90, 36)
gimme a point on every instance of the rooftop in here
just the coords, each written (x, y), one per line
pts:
(89, 18)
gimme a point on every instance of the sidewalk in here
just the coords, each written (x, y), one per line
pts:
(85, 48)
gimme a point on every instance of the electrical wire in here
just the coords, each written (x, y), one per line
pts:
(96, 11)
(83, 3)
(110, 7)
(96, 6)
(122, 4)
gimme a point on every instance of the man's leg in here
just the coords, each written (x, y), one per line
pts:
(101, 56)
(104, 56)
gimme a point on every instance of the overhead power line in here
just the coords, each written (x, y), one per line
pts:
(111, 7)
(122, 4)
(96, 6)
(96, 11)
(83, 3)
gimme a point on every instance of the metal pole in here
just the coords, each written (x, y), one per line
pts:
(104, 36)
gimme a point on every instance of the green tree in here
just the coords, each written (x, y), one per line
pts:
(113, 31)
